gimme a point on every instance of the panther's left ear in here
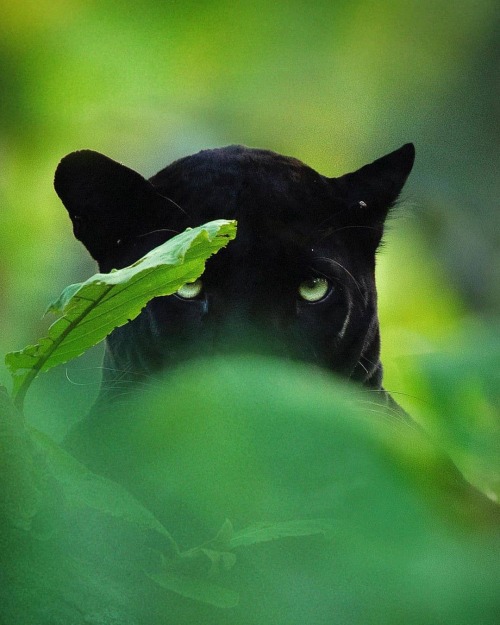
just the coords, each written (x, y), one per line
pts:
(108, 202)
(371, 191)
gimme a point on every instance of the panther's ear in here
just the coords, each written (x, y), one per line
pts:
(107, 202)
(371, 191)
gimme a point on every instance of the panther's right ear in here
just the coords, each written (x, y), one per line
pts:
(107, 202)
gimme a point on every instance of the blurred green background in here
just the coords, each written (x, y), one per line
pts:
(336, 84)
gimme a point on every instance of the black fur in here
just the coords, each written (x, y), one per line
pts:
(293, 224)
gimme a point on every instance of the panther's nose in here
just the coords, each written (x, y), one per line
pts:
(240, 332)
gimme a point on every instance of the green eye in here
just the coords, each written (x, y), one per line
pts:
(191, 289)
(314, 289)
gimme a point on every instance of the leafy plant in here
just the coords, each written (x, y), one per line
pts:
(48, 495)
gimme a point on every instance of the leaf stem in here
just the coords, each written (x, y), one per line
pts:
(19, 396)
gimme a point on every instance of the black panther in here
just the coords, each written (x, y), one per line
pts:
(298, 281)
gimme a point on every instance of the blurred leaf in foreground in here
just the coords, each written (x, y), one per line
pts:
(342, 512)
(458, 399)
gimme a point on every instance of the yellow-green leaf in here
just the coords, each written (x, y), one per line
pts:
(91, 310)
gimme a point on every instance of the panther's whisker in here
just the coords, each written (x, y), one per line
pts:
(177, 205)
(335, 262)
(74, 383)
(140, 236)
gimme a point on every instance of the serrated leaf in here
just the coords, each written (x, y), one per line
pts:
(92, 309)
(265, 532)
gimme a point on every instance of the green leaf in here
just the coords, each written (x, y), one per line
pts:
(28, 457)
(192, 587)
(83, 488)
(265, 532)
(92, 309)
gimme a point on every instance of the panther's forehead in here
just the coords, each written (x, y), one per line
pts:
(259, 188)
(235, 162)
(283, 208)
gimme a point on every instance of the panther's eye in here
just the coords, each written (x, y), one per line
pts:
(190, 290)
(314, 289)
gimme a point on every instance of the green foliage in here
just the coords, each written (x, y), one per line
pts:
(318, 511)
(92, 309)
(28, 454)
(20, 481)
(83, 489)
(35, 469)
(457, 399)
